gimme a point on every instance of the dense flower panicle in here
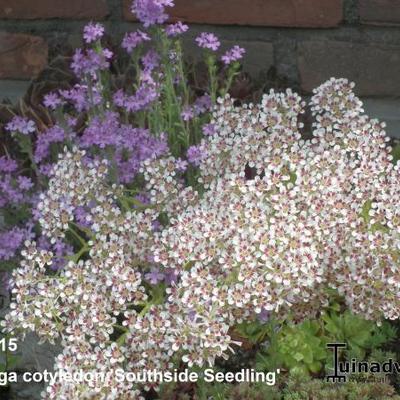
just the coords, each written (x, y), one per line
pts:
(89, 273)
(208, 41)
(301, 205)
(281, 221)
(74, 182)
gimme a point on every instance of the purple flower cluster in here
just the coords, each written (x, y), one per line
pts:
(21, 125)
(176, 29)
(93, 32)
(155, 276)
(201, 105)
(150, 61)
(151, 12)
(132, 145)
(187, 113)
(141, 100)
(209, 129)
(196, 154)
(236, 53)
(52, 101)
(11, 240)
(133, 39)
(90, 61)
(107, 125)
(14, 188)
(208, 41)
(7, 164)
(80, 97)
(55, 134)
(102, 131)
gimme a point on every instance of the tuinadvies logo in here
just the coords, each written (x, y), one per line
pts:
(342, 368)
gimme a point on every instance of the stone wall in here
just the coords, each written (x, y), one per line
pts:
(303, 41)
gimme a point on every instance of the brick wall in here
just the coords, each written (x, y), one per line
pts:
(303, 42)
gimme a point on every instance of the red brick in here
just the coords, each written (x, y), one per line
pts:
(36, 9)
(21, 56)
(380, 12)
(375, 69)
(285, 13)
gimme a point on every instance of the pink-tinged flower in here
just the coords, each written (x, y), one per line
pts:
(177, 29)
(151, 12)
(52, 101)
(22, 125)
(93, 32)
(134, 39)
(234, 54)
(208, 41)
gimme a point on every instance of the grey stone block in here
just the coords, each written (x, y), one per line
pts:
(12, 90)
(386, 110)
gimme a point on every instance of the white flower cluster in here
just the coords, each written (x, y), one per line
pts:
(316, 214)
(283, 221)
(74, 183)
(167, 191)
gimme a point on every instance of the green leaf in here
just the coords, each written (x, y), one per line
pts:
(396, 153)
(298, 356)
(365, 210)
